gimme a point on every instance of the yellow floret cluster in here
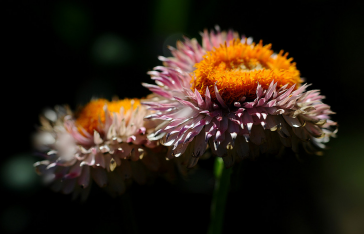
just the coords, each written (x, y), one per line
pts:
(238, 67)
(90, 116)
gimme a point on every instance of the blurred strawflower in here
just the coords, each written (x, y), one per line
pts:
(103, 141)
(237, 97)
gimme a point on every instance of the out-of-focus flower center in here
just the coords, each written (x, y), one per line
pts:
(90, 116)
(238, 67)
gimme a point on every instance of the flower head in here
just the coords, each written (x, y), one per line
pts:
(236, 96)
(104, 141)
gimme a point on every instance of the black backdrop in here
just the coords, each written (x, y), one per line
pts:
(66, 52)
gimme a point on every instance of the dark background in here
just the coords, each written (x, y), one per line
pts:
(66, 52)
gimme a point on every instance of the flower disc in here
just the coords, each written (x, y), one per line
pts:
(237, 68)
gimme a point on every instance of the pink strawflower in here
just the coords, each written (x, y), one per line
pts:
(239, 98)
(104, 141)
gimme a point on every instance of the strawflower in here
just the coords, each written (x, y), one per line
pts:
(237, 97)
(104, 141)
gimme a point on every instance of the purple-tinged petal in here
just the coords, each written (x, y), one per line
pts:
(89, 160)
(208, 99)
(176, 123)
(261, 102)
(199, 99)
(240, 110)
(270, 103)
(200, 145)
(99, 160)
(293, 122)
(196, 130)
(131, 139)
(283, 127)
(271, 110)
(271, 90)
(220, 134)
(206, 41)
(157, 90)
(235, 119)
(179, 150)
(314, 130)
(249, 104)
(237, 104)
(99, 175)
(257, 135)
(84, 178)
(219, 98)
(248, 121)
(75, 171)
(259, 91)
(163, 80)
(252, 111)
(141, 130)
(211, 130)
(230, 36)
(187, 103)
(233, 130)
(68, 186)
(286, 93)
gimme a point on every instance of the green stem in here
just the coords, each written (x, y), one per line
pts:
(222, 182)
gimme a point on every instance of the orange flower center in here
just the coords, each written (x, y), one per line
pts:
(90, 116)
(237, 69)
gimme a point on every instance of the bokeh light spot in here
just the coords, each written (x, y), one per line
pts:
(170, 16)
(110, 49)
(18, 172)
(72, 23)
(50, 114)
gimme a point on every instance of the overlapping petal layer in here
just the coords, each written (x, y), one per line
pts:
(278, 115)
(117, 152)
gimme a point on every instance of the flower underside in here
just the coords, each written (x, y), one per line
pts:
(90, 116)
(237, 68)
